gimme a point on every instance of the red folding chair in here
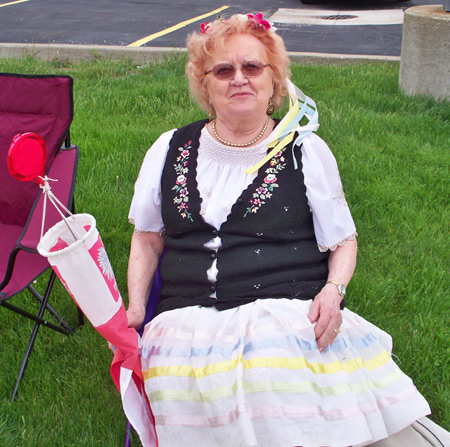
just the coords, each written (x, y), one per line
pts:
(43, 105)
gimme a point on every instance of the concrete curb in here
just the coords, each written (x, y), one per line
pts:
(143, 55)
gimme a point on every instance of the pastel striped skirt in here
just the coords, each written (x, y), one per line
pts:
(253, 376)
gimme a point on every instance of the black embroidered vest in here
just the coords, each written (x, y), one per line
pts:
(269, 249)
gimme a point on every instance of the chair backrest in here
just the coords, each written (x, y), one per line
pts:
(40, 104)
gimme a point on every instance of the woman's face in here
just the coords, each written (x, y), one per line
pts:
(239, 96)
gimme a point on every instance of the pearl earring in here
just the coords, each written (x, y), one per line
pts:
(270, 108)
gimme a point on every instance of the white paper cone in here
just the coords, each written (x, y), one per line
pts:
(83, 267)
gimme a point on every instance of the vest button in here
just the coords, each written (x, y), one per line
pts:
(214, 232)
(212, 287)
(213, 256)
(239, 201)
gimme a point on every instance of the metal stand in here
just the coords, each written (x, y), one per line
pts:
(64, 328)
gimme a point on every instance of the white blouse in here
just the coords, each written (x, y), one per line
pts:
(221, 180)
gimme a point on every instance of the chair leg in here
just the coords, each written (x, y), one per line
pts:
(36, 294)
(53, 311)
(128, 435)
(64, 328)
(80, 317)
(25, 359)
(33, 335)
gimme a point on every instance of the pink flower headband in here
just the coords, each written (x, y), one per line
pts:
(254, 20)
(204, 27)
(258, 21)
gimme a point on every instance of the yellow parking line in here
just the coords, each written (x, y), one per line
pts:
(143, 41)
(13, 3)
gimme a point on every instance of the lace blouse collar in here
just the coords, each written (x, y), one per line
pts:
(222, 154)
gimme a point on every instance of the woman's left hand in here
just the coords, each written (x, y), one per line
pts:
(325, 312)
(325, 309)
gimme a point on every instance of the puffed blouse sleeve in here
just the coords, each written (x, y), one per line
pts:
(333, 222)
(145, 209)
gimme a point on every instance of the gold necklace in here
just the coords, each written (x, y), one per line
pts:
(227, 143)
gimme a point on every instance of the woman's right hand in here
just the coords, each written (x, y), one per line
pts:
(135, 316)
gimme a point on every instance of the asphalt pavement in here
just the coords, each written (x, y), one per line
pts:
(329, 27)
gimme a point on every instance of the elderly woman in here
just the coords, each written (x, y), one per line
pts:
(252, 345)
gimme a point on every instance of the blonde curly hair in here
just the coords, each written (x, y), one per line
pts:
(212, 38)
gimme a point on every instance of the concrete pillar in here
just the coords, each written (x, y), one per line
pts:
(425, 55)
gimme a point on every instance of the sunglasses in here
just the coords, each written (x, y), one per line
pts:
(227, 71)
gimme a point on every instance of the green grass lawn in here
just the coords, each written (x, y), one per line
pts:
(393, 153)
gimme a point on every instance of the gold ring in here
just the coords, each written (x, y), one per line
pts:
(336, 331)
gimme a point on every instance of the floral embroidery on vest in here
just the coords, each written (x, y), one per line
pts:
(265, 191)
(181, 198)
